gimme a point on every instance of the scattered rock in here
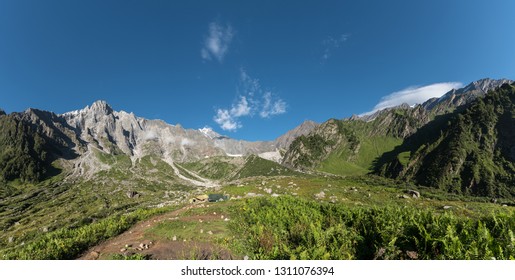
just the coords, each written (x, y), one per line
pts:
(493, 200)
(504, 205)
(447, 207)
(210, 232)
(94, 255)
(128, 246)
(123, 250)
(268, 190)
(412, 255)
(226, 219)
(11, 239)
(379, 253)
(275, 195)
(201, 231)
(320, 195)
(222, 217)
(45, 229)
(413, 193)
(174, 238)
(246, 258)
(132, 194)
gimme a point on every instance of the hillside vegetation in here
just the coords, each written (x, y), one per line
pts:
(471, 151)
(293, 228)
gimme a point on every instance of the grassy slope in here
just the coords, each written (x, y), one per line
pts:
(469, 151)
(55, 204)
(344, 162)
(256, 166)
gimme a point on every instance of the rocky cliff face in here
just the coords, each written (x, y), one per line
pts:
(284, 141)
(99, 128)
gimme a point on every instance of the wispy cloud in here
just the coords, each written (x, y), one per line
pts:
(414, 95)
(272, 107)
(331, 44)
(252, 100)
(216, 44)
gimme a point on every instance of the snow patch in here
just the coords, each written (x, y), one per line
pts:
(272, 156)
(233, 155)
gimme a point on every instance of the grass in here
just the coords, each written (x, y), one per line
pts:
(69, 243)
(344, 161)
(295, 228)
(216, 168)
(256, 166)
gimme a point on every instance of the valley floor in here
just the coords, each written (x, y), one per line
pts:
(282, 217)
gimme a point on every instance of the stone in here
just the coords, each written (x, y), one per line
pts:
(246, 258)
(320, 195)
(412, 255)
(210, 232)
(447, 207)
(11, 239)
(132, 194)
(94, 255)
(413, 193)
(174, 238)
(123, 250)
(201, 231)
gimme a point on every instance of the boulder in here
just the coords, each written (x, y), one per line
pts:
(413, 193)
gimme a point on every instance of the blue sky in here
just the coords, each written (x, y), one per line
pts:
(248, 69)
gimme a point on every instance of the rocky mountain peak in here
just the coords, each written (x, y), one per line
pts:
(305, 128)
(2, 112)
(101, 107)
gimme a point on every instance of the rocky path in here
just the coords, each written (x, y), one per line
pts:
(134, 241)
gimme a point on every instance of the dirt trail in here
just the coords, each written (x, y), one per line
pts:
(133, 241)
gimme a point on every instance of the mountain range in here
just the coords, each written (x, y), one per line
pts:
(39, 144)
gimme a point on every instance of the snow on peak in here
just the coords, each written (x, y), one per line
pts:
(209, 132)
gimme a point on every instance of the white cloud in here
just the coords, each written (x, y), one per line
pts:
(241, 108)
(414, 95)
(216, 44)
(272, 107)
(332, 43)
(252, 100)
(187, 142)
(226, 120)
(150, 135)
